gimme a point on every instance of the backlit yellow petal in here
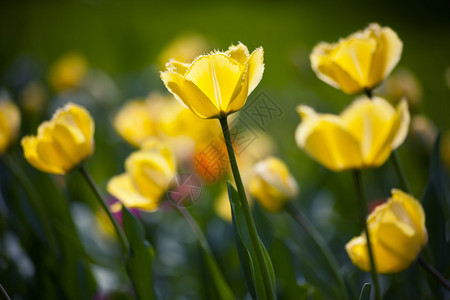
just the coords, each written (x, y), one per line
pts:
(255, 68)
(387, 54)
(29, 145)
(177, 67)
(239, 53)
(123, 189)
(187, 93)
(330, 72)
(327, 140)
(217, 76)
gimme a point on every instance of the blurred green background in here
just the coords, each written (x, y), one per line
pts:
(125, 38)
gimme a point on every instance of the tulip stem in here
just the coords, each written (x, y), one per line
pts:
(369, 93)
(246, 209)
(303, 221)
(400, 172)
(103, 204)
(4, 293)
(434, 272)
(362, 204)
(223, 290)
(33, 197)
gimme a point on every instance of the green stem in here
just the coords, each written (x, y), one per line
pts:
(33, 197)
(224, 291)
(445, 283)
(4, 293)
(103, 204)
(246, 209)
(400, 173)
(303, 221)
(362, 204)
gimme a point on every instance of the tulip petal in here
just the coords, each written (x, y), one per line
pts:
(177, 67)
(83, 121)
(357, 251)
(122, 188)
(150, 173)
(414, 211)
(330, 72)
(29, 145)
(386, 55)
(239, 53)
(189, 95)
(326, 139)
(217, 76)
(370, 122)
(255, 68)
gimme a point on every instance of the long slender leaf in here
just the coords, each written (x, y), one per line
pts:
(140, 257)
(247, 255)
(365, 292)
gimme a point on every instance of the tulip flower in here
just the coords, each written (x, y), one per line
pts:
(9, 124)
(63, 142)
(362, 136)
(272, 184)
(68, 72)
(397, 232)
(147, 177)
(136, 120)
(359, 62)
(217, 84)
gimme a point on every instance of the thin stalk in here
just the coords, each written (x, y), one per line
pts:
(445, 283)
(362, 204)
(246, 209)
(368, 93)
(33, 197)
(103, 204)
(400, 172)
(224, 290)
(4, 293)
(303, 221)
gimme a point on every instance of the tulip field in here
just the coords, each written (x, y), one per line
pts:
(276, 151)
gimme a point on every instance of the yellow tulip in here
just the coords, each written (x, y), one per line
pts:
(9, 123)
(63, 142)
(360, 61)
(68, 72)
(362, 136)
(217, 84)
(147, 177)
(397, 234)
(136, 121)
(272, 184)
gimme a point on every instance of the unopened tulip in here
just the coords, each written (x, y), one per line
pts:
(63, 142)
(397, 234)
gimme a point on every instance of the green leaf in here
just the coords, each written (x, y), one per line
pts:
(140, 257)
(223, 290)
(436, 210)
(247, 255)
(365, 292)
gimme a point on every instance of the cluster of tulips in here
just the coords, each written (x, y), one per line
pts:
(214, 86)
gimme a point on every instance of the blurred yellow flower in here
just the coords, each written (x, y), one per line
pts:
(363, 135)
(272, 184)
(183, 48)
(217, 84)
(68, 72)
(63, 142)
(402, 84)
(397, 233)
(147, 177)
(360, 61)
(136, 121)
(9, 123)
